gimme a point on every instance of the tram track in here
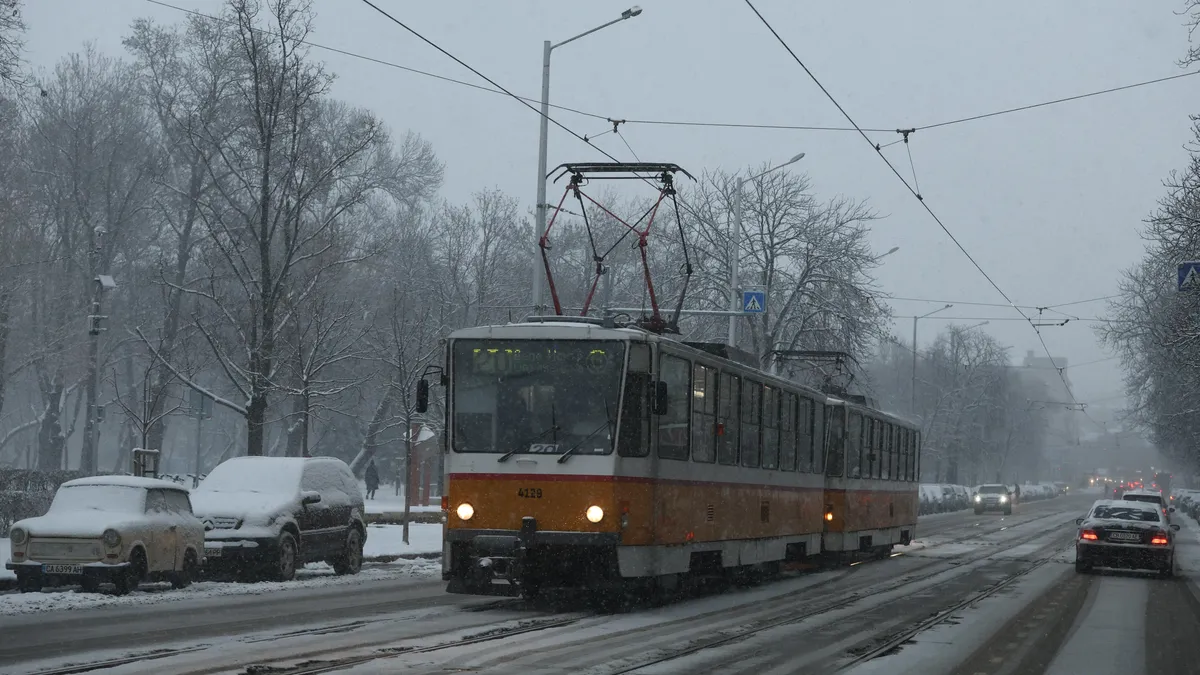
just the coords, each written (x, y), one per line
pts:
(847, 601)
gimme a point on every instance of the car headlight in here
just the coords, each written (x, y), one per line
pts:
(18, 536)
(465, 511)
(595, 514)
(1003, 499)
(111, 538)
(978, 498)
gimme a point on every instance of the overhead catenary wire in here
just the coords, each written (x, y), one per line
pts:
(916, 194)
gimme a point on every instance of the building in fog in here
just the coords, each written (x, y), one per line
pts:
(1062, 452)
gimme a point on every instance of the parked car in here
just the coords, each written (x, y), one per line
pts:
(1126, 534)
(273, 514)
(118, 529)
(1150, 497)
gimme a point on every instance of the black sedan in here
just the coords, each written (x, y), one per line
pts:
(1125, 535)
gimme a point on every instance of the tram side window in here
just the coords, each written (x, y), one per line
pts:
(901, 471)
(813, 429)
(868, 446)
(906, 447)
(727, 407)
(770, 422)
(804, 437)
(854, 446)
(896, 475)
(916, 453)
(635, 407)
(674, 433)
(787, 431)
(871, 470)
(837, 444)
(751, 423)
(704, 414)
(880, 449)
(889, 436)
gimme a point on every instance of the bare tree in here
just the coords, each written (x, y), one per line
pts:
(12, 29)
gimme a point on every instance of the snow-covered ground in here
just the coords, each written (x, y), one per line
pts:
(313, 575)
(387, 501)
(424, 539)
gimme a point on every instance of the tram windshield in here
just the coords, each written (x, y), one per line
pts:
(536, 396)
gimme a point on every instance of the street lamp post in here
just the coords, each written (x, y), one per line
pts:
(544, 130)
(912, 401)
(735, 302)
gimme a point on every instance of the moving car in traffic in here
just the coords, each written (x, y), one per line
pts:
(118, 529)
(1125, 534)
(993, 497)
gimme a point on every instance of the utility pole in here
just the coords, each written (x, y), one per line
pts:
(912, 401)
(201, 409)
(88, 456)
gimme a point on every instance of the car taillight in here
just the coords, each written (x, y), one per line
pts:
(445, 502)
(1089, 535)
(1160, 539)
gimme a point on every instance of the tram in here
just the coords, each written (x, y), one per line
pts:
(582, 454)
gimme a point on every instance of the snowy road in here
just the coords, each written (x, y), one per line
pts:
(975, 594)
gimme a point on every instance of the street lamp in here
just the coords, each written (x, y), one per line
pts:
(978, 325)
(912, 401)
(544, 129)
(735, 302)
(890, 251)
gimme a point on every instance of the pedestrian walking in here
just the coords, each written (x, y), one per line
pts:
(372, 477)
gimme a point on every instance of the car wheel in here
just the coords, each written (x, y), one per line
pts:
(285, 565)
(1082, 567)
(191, 569)
(29, 582)
(89, 585)
(979, 512)
(350, 561)
(128, 582)
(1008, 511)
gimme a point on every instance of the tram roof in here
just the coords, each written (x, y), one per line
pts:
(560, 329)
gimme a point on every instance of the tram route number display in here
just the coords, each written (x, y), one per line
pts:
(529, 493)
(509, 359)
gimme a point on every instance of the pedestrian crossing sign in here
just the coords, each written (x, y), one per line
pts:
(754, 301)
(1189, 275)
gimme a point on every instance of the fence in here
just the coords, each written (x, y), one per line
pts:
(25, 493)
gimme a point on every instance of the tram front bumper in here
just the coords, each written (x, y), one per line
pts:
(497, 562)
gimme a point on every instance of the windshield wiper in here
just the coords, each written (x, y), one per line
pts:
(523, 444)
(608, 422)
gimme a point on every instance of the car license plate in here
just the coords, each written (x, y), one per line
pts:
(1125, 536)
(212, 552)
(62, 569)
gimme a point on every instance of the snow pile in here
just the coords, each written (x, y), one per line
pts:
(387, 501)
(312, 576)
(387, 541)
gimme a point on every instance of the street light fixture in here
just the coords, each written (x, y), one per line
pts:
(735, 302)
(890, 251)
(544, 130)
(912, 401)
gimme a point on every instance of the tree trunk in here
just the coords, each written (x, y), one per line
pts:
(297, 428)
(50, 437)
(256, 415)
(374, 427)
(5, 314)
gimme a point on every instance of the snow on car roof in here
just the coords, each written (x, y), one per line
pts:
(1143, 491)
(125, 481)
(1126, 503)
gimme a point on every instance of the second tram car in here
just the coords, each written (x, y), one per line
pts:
(583, 455)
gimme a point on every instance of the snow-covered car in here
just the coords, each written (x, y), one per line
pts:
(993, 497)
(1125, 534)
(272, 514)
(1149, 497)
(118, 529)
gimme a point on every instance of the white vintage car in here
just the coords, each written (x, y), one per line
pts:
(119, 529)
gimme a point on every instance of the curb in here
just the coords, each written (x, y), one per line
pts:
(432, 555)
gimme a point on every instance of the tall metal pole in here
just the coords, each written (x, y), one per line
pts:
(199, 444)
(735, 303)
(912, 400)
(540, 208)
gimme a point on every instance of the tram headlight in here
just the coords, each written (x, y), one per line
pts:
(465, 511)
(829, 516)
(594, 513)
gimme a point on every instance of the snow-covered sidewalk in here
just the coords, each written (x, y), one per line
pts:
(386, 542)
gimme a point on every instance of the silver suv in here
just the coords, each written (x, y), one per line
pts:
(993, 497)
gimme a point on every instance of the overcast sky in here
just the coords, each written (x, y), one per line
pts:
(1049, 201)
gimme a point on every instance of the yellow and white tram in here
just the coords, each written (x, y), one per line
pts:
(580, 455)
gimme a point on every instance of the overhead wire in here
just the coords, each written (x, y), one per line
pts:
(917, 195)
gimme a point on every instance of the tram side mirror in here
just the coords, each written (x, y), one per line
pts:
(1175, 527)
(660, 398)
(422, 396)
